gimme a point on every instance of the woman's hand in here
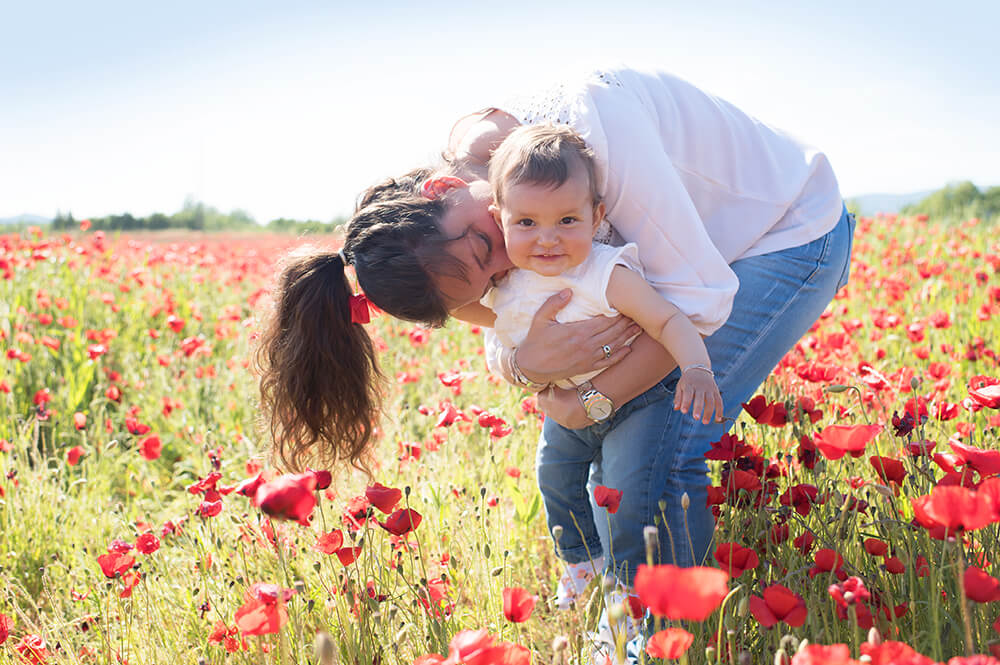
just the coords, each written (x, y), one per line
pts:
(564, 407)
(552, 351)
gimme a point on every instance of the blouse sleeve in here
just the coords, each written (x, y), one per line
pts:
(648, 205)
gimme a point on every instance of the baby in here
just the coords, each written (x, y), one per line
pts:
(547, 203)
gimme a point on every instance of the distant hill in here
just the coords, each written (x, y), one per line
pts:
(25, 219)
(869, 204)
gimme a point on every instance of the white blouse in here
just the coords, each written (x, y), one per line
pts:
(692, 180)
(519, 295)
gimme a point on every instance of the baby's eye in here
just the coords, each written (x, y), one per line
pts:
(525, 222)
(568, 220)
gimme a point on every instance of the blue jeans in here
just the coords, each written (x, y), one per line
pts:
(654, 454)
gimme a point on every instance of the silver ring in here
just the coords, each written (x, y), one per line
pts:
(607, 351)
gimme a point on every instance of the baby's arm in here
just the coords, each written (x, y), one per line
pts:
(475, 313)
(631, 295)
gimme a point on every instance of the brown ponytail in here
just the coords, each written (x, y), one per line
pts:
(320, 382)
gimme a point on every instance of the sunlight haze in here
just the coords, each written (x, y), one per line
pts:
(292, 111)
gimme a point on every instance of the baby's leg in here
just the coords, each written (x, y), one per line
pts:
(563, 466)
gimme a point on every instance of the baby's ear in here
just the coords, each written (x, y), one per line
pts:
(598, 214)
(495, 211)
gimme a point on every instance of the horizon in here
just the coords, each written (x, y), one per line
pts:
(293, 111)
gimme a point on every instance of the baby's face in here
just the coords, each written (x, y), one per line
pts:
(549, 230)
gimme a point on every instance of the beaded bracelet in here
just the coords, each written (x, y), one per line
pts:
(699, 366)
(519, 377)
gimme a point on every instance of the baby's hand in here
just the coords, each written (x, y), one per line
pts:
(697, 391)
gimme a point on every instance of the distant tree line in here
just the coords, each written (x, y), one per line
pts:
(195, 216)
(959, 202)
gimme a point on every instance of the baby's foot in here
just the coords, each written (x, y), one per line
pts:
(575, 579)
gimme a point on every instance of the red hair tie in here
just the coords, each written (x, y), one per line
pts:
(435, 188)
(359, 309)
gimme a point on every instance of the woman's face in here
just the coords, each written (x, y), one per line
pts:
(476, 241)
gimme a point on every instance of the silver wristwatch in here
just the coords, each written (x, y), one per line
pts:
(598, 406)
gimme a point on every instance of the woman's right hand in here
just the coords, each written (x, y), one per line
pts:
(552, 351)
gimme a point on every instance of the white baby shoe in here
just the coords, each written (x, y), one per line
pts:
(575, 579)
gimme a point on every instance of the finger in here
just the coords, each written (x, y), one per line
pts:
(699, 406)
(551, 307)
(616, 356)
(718, 407)
(685, 401)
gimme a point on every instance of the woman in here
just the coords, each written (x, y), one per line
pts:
(739, 225)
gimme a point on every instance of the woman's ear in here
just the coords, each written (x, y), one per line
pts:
(436, 187)
(495, 211)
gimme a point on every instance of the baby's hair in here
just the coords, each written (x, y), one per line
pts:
(542, 155)
(320, 384)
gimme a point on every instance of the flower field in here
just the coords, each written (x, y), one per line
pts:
(857, 498)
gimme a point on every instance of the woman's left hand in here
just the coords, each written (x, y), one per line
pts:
(564, 407)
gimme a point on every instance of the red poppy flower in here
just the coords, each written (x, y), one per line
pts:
(827, 560)
(876, 547)
(888, 469)
(290, 496)
(323, 478)
(852, 590)
(894, 565)
(402, 522)
(773, 414)
(670, 643)
(383, 498)
(150, 447)
(348, 555)
(980, 586)
(986, 462)
(779, 603)
(836, 440)
(329, 543)
(988, 396)
(736, 559)
(32, 649)
(681, 593)
(819, 654)
(801, 497)
(518, 604)
(147, 543)
(113, 563)
(79, 420)
(5, 625)
(263, 611)
(473, 647)
(804, 542)
(608, 497)
(248, 487)
(890, 653)
(729, 447)
(74, 454)
(954, 508)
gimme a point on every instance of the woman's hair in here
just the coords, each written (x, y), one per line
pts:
(543, 155)
(320, 383)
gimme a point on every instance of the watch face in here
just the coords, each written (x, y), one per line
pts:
(598, 407)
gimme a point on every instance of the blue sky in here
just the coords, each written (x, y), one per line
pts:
(291, 109)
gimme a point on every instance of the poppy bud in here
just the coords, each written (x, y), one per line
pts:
(836, 388)
(874, 637)
(557, 532)
(686, 501)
